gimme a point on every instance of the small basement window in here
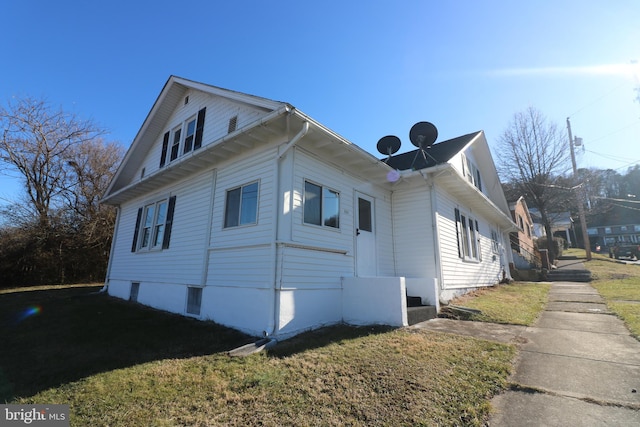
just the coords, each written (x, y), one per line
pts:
(194, 300)
(133, 293)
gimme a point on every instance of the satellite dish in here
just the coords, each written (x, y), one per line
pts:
(389, 145)
(423, 134)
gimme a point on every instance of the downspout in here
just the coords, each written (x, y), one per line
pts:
(436, 239)
(273, 326)
(105, 288)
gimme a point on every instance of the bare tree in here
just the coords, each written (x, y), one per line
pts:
(59, 232)
(36, 142)
(533, 155)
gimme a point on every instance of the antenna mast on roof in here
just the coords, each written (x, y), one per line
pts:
(423, 135)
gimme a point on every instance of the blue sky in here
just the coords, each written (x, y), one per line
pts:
(365, 69)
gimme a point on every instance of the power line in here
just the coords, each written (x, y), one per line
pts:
(616, 131)
(598, 99)
(615, 158)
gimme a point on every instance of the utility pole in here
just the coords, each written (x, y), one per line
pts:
(579, 196)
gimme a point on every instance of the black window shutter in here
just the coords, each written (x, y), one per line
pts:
(197, 143)
(165, 148)
(169, 223)
(135, 232)
(457, 212)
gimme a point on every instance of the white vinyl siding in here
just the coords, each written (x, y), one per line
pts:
(219, 112)
(243, 256)
(456, 271)
(188, 238)
(413, 232)
(257, 168)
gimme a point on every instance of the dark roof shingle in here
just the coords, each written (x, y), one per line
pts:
(437, 154)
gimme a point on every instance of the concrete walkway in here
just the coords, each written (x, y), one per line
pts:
(577, 366)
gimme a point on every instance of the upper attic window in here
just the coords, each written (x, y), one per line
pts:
(183, 138)
(186, 100)
(471, 172)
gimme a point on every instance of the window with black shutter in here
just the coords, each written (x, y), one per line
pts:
(197, 143)
(165, 148)
(153, 225)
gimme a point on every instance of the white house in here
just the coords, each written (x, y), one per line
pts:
(247, 212)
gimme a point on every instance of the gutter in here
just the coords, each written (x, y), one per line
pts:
(105, 288)
(274, 322)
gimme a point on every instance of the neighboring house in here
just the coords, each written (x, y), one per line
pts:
(522, 239)
(619, 224)
(561, 225)
(247, 212)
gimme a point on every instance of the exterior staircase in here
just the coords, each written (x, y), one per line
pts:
(417, 312)
(564, 275)
(570, 269)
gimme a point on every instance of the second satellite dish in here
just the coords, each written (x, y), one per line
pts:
(423, 134)
(388, 145)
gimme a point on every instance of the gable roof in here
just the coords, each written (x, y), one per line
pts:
(169, 98)
(437, 154)
(283, 119)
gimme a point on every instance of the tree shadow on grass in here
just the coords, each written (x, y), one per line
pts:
(53, 337)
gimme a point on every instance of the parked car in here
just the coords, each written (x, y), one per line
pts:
(631, 250)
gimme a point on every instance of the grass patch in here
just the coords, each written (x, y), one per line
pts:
(120, 364)
(518, 303)
(61, 334)
(393, 378)
(619, 285)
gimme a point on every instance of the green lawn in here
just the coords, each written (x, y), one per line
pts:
(518, 303)
(619, 285)
(120, 364)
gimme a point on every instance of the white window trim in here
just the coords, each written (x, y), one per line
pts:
(471, 172)
(250, 224)
(495, 241)
(152, 237)
(186, 301)
(468, 238)
(322, 205)
(185, 127)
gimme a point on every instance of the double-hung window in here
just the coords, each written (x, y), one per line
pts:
(183, 138)
(241, 206)
(321, 205)
(153, 225)
(471, 172)
(175, 143)
(468, 237)
(188, 138)
(495, 245)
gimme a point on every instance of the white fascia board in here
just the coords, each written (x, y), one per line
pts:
(244, 98)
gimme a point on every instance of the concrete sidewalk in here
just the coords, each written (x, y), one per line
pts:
(577, 366)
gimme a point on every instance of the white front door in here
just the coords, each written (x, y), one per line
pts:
(366, 264)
